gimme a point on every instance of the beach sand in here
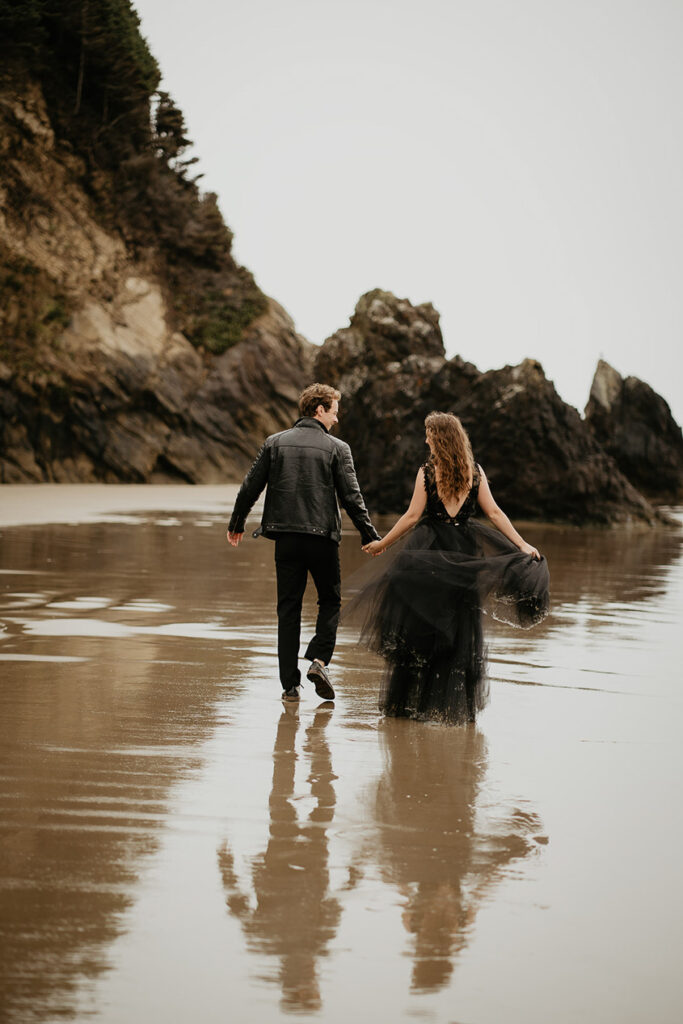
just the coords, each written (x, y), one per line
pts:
(176, 844)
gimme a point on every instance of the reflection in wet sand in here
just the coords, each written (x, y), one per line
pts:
(84, 794)
(99, 719)
(294, 917)
(437, 843)
(138, 705)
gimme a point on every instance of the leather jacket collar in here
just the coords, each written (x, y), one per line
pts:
(310, 421)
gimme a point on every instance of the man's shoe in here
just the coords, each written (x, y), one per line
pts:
(293, 693)
(318, 676)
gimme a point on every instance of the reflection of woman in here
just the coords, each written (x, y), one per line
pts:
(294, 916)
(423, 614)
(441, 849)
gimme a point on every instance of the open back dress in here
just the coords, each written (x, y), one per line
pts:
(422, 609)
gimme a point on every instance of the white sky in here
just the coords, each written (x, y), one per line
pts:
(519, 163)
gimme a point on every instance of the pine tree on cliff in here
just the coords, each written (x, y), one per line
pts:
(100, 83)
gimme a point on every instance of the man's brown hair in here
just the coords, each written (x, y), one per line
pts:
(315, 395)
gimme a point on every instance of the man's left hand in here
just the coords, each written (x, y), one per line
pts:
(234, 538)
(374, 548)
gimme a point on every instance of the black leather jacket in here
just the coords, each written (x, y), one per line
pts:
(306, 470)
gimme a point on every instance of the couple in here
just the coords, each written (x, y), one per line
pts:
(422, 612)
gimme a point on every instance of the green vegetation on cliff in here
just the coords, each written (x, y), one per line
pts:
(30, 298)
(101, 86)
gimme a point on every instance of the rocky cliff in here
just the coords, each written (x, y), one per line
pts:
(132, 346)
(635, 426)
(541, 458)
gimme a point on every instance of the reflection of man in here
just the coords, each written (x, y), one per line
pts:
(306, 471)
(294, 917)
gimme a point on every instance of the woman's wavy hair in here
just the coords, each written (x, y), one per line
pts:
(452, 454)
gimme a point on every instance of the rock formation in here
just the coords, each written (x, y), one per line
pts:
(541, 459)
(120, 397)
(132, 346)
(635, 426)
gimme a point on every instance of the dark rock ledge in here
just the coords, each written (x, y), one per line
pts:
(542, 459)
(123, 400)
(635, 426)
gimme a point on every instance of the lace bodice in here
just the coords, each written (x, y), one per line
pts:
(435, 507)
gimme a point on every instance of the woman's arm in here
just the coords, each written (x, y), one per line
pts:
(497, 517)
(407, 520)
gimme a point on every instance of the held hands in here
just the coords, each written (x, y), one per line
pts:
(234, 538)
(374, 548)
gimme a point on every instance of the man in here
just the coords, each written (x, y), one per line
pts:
(308, 474)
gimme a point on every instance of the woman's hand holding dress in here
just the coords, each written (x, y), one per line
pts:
(497, 518)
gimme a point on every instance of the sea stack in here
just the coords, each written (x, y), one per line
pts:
(635, 426)
(542, 459)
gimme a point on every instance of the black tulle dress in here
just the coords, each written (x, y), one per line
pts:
(423, 611)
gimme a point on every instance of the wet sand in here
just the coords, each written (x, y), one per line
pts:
(178, 845)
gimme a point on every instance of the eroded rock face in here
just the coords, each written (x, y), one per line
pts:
(105, 389)
(634, 424)
(541, 459)
(119, 398)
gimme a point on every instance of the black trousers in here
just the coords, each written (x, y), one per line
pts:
(297, 554)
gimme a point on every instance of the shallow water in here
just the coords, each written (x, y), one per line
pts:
(175, 844)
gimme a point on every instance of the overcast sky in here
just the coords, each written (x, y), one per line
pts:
(518, 163)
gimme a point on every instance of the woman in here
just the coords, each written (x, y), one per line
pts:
(423, 614)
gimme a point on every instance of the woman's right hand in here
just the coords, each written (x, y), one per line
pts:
(529, 550)
(374, 548)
